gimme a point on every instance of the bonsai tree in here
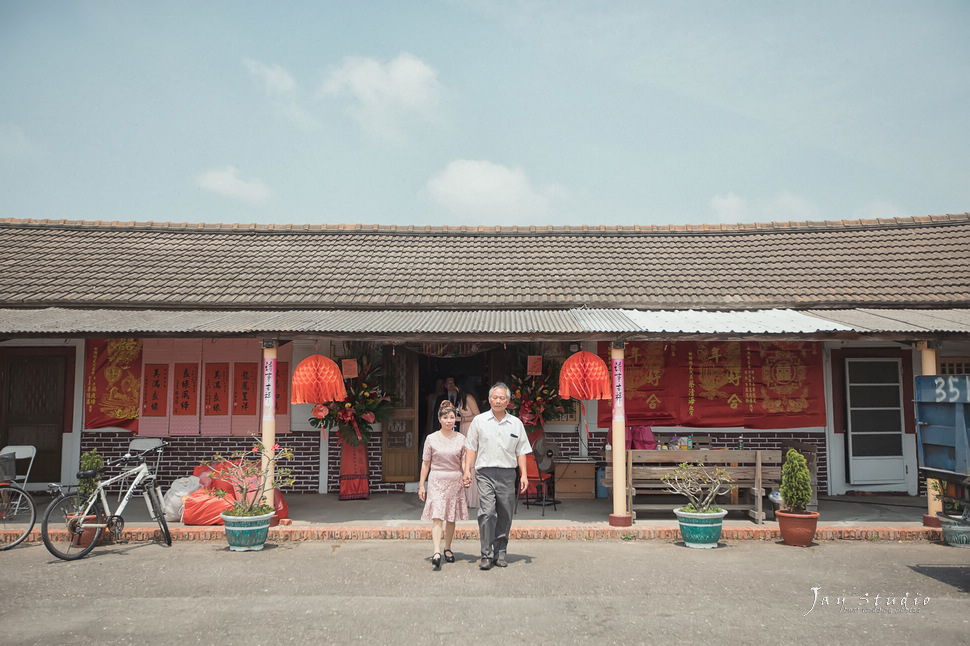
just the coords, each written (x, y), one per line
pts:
(700, 484)
(796, 483)
(90, 461)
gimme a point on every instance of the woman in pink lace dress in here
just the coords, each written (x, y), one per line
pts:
(441, 466)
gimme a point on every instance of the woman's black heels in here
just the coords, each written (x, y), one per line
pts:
(436, 559)
(449, 556)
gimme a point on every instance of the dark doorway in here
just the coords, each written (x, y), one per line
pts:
(36, 402)
(475, 374)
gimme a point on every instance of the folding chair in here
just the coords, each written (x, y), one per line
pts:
(22, 452)
(542, 481)
(139, 444)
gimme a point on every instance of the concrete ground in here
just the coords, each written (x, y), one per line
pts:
(556, 592)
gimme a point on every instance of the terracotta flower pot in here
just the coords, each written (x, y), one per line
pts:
(797, 528)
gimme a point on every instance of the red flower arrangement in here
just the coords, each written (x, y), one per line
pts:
(535, 399)
(366, 404)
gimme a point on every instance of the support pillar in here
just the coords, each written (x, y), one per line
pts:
(927, 354)
(269, 414)
(621, 516)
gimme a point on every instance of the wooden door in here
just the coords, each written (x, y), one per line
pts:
(400, 438)
(35, 405)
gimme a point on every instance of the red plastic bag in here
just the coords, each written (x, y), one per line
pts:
(202, 508)
(282, 509)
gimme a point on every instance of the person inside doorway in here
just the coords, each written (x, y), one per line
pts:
(467, 410)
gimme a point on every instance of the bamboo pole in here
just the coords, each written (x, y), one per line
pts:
(269, 416)
(621, 516)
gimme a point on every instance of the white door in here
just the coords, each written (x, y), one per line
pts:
(874, 407)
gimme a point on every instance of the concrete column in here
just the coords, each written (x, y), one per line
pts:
(927, 355)
(269, 413)
(621, 516)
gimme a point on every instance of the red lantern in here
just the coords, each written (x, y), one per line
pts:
(585, 376)
(317, 379)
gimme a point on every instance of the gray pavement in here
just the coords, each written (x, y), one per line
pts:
(405, 509)
(603, 592)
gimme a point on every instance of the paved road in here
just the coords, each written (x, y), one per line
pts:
(601, 592)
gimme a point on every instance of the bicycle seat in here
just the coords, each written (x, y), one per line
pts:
(89, 474)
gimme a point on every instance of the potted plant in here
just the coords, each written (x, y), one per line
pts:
(90, 461)
(248, 520)
(700, 519)
(796, 523)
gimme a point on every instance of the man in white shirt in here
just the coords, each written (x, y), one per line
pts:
(495, 445)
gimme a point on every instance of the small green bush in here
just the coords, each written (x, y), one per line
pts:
(796, 483)
(89, 461)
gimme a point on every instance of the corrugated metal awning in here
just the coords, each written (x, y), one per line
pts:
(899, 320)
(481, 323)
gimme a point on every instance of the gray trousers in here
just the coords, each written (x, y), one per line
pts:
(496, 498)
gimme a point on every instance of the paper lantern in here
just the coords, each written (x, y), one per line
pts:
(585, 376)
(317, 379)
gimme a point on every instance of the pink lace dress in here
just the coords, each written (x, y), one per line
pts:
(446, 495)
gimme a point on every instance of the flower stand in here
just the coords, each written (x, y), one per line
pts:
(353, 472)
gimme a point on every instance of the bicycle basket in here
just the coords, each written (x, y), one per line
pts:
(8, 467)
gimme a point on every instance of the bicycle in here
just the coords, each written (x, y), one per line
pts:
(17, 513)
(74, 522)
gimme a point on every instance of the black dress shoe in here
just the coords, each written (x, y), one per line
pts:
(436, 559)
(449, 556)
(485, 564)
(501, 562)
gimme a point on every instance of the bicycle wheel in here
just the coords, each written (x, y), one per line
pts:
(155, 506)
(17, 513)
(62, 531)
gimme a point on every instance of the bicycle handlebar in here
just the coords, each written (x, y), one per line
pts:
(127, 457)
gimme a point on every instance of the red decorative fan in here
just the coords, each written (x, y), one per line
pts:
(316, 380)
(584, 376)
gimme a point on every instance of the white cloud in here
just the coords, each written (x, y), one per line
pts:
(15, 145)
(273, 79)
(783, 207)
(483, 193)
(226, 182)
(387, 95)
(283, 91)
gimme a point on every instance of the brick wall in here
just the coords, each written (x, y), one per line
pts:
(184, 453)
(764, 440)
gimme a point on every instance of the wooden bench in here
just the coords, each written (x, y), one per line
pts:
(752, 471)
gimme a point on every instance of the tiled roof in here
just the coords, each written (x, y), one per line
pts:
(907, 262)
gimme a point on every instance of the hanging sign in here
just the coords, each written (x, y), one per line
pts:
(112, 389)
(155, 401)
(269, 389)
(217, 389)
(722, 384)
(244, 388)
(534, 365)
(282, 387)
(349, 368)
(185, 398)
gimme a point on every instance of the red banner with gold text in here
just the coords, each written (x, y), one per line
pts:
(721, 384)
(112, 383)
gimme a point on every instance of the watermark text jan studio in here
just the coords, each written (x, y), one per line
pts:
(868, 603)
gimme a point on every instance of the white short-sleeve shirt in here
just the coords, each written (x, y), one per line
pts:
(497, 443)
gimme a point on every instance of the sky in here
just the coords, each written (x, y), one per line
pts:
(483, 113)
